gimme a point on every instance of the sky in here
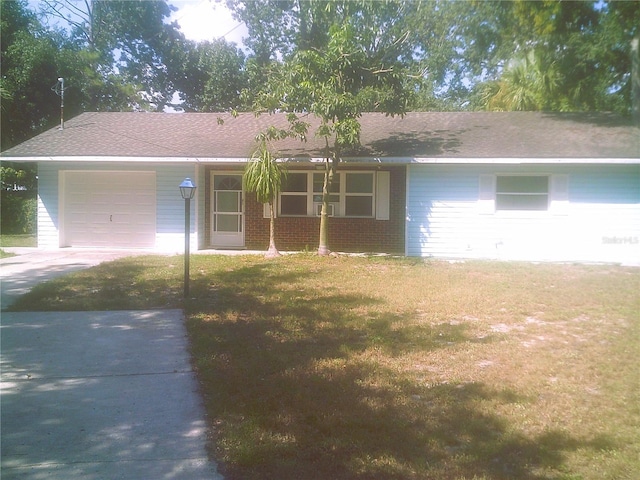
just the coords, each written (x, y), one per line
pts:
(199, 20)
(207, 20)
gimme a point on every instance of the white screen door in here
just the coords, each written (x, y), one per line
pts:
(227, 215)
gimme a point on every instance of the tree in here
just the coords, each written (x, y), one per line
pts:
(578, 51)
(335, 83)
(33, 58)
(263, 175)
(280, 28)
(18, 204)
(211, 76)
(124, 40)
(29, 68)
(527, 84)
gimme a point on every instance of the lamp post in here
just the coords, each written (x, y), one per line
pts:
(187, 190)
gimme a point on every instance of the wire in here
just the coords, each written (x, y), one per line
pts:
(234, 28)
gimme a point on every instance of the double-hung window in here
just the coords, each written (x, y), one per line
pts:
(358, 195)
(352, 194)
(512, 193)
(522, 192)
(293, 198)
(334, 196)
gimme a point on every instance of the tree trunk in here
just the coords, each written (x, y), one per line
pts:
(323, 246)
(272, 251)
(635, 80)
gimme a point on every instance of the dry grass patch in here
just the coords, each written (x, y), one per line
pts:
(379, 368)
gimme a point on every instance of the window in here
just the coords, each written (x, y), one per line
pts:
(359, 195)
(520, 192)
(293, 198)
(318, 183)
(352, 194)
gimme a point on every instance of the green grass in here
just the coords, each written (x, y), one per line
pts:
(379, 368)
(18, 240)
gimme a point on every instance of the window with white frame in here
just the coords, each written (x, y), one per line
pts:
(522, 192)
(334, 197)
(358, 195)
(352, 194)
(293, 197)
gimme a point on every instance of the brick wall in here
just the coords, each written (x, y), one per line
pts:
(345, 234)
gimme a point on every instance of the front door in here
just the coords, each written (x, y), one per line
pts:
(227, 210)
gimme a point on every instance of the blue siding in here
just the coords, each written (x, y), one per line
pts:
(599, 184)
(169, 204)
(201, 207)
(48, 206)
(600, 222)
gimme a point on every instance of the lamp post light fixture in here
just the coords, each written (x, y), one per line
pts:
(187, 190)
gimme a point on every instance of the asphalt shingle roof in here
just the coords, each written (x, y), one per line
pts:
(438, 135)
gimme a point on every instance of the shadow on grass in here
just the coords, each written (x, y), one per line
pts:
(304, 379)
(126, 284)
(302, 383)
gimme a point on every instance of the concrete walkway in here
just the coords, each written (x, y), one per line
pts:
(95, 395)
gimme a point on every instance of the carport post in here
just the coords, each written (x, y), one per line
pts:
(187, 190)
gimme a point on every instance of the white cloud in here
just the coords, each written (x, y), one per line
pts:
(207, 20)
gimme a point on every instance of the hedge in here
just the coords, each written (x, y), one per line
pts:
(18, 212)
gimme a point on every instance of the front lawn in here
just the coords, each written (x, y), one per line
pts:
(18, 240)
(380, 368)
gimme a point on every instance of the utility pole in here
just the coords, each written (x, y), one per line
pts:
(58, 88)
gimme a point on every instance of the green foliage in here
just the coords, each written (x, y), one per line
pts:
(347, 56)
(33, 58)
(464, 51)
(18, 176)
(18, 213)
(216, 77)
(528, 83)
(28, 70)
(335, 82)
(263, 174)
(4, 254)
(18, 185)
(136, 31)
(562, 56)
(18, 240)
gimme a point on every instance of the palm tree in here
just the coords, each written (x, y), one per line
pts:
(263, 175)
(530, 82)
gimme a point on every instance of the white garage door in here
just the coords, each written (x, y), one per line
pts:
(109, 209)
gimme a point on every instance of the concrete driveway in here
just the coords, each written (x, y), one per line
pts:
(95, 395)
(31, 266)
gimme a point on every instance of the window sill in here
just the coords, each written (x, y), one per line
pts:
(522, 213)
(318, 216)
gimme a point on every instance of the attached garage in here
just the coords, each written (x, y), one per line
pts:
(108, 208)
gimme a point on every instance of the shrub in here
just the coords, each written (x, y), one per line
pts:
(18, 212)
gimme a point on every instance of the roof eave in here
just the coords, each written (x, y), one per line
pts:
(525, 160)
(346, 160)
